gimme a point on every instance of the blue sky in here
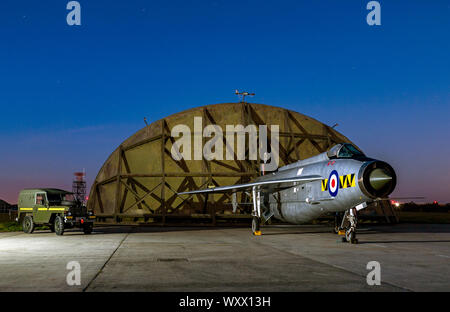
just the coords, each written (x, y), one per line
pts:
(71, 94)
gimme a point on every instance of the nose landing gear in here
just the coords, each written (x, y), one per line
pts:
(349, 223)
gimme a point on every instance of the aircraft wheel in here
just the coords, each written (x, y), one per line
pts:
(255, 225)
(28, 225)
(350, 236)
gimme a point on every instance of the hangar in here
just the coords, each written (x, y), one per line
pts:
(140, 180)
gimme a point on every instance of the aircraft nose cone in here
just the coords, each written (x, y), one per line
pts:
(379, 178)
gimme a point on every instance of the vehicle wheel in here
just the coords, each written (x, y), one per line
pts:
(28, 224)
(87, 228)
(255, 225)
(59, 225)
(52, 227)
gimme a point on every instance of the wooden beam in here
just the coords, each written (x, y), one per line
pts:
(119, 171)
(99, 198)
(163, 170)
(156, 137)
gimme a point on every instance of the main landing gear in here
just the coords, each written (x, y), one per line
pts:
(256, 220)
(256, 226)
(348, 226)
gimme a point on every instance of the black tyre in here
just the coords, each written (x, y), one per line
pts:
(87, 228)
(28, 224)
(52, 227)
(59, 225)
(255, 225)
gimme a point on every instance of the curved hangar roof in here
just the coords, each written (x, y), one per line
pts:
(140, 179)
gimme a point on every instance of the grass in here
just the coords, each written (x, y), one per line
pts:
(10, 226)
(13, 226)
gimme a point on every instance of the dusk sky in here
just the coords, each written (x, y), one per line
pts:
(71, 94)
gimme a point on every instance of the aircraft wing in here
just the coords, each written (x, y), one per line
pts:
(274, 185)
(398, 198)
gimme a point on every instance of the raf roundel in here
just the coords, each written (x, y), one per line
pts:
(333, 183)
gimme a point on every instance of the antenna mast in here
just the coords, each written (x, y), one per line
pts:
(242, 95)
(79, 186)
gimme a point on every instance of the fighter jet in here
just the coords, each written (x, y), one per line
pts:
(341, 180)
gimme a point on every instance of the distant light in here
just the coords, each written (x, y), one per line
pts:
(397, 204)
(87, 197)
(435, 202)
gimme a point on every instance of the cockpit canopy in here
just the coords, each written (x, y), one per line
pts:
(345, 150)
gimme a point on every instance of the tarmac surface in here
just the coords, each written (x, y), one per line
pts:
(285, 258)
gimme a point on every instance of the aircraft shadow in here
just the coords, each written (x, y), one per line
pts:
(298, 232)
(118, 229)
(404, 241)
(266, 230)
(364, 229)
(407, 228)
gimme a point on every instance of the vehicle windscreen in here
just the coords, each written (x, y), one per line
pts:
(54, 198)
(60, 198)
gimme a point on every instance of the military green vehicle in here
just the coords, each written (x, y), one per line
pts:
(53, 207)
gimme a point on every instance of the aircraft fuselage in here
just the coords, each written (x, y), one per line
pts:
(347, 183)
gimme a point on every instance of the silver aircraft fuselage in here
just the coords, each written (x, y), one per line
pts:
(347, 183)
